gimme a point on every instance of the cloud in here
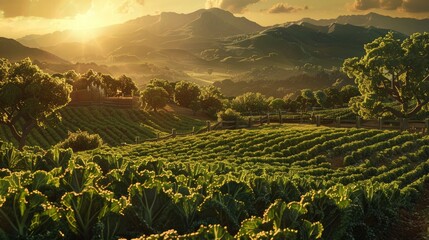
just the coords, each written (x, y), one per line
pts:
(415, 5)
(234, 6)
(402, 5)
(44, 8)
(284, 8)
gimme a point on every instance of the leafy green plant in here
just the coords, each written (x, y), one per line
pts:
(85, 210)
(150, 208)
(24, 214)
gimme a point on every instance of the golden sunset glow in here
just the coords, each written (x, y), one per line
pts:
(48, 16)
(84, 24)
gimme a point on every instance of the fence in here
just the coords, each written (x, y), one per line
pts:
(252, 121)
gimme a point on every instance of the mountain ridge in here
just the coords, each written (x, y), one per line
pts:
(404, 25)
(15, 51)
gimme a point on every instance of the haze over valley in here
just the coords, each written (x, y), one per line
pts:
(207, 45)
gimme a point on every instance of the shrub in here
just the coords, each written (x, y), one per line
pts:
(81, 141)
(229, 115)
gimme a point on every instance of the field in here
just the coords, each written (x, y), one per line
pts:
(288, 182)
(115, 126)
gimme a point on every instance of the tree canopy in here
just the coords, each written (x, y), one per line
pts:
(29, 97)
(154, 97)
(111, 85)
(392, 76)
(251, 102)
(186, 93)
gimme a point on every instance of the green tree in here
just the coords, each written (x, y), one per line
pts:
(127, 85)
(211, 100)
(321, 98)
(250, 102)
(168, 86)
(333, 97)
(186, 93)
(110, 85)
(392, 76)
(277, 104)
(307, 99)
(71, 76)
(90, 78)
(291, 105)
(348, 92)
(29, 97)
(154, 97)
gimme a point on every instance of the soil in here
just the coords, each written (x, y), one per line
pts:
(337, 162)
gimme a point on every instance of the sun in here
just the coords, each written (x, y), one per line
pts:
(84, 26)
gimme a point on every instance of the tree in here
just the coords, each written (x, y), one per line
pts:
(154, 97)
(321, 98)
(29, 97)
(211, 100)
(392, 76)
(307, 99)
(291, 105)
(110, 85)
(169, 87)
(126, 85)
(250, 102)
(348, 92)
(186, 93)
(71, 76)
(90, 78)
(277, 104)
(333, 97)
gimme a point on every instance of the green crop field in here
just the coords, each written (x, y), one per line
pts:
(115, 126)
(287, 182)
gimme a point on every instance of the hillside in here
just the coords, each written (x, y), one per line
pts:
(404, 25)
(115, 126)
(301, 43)
(15, 51)
(279, 82)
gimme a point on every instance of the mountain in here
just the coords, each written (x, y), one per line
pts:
(216, 39)
(138, 38)
(404, 25)
(301, 43)
(15, 51)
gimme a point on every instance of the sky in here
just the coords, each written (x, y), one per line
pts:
(23, 17)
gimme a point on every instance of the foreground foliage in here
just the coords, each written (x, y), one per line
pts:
(270, 183)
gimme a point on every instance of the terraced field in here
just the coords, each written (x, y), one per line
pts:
(280, 182)
(115, 126)
(390, 168)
